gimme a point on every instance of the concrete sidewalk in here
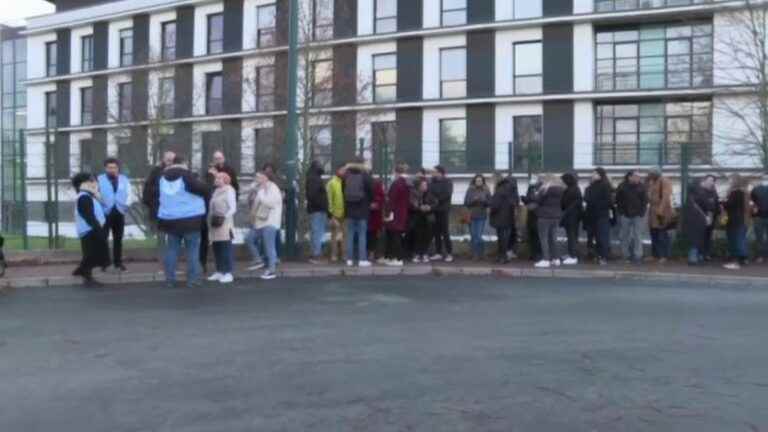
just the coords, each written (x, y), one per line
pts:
(19, 276)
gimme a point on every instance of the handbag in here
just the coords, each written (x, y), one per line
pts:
(217, 221)
(262, 212)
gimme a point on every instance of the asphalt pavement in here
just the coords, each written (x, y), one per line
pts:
(386, 354)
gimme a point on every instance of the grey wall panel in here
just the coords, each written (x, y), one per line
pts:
(481, 136)
(558, 135)
(185, 31)
(231, 135)
(134, 156)
(281, 81)
(480, 11)
(233, 85)
(183, 86)
(140, 39)
(481, 52)
(97, 149)
(63, 39)
(100, 45)
(64, 5)
(409, 14)
(233, 25)
(62, 103)
(140, 94)
(345, 18)
(279, 125)
(409, 137)
(281, 21)
(61, 155)
(410, 61)
(345, 74)
(557, 47)
(100, 99)
(557, 7)
(344, 133)
(182, 140)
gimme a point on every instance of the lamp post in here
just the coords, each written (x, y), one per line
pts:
(290, 150)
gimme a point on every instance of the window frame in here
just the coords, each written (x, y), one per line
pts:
(317, 33)
(214, 46)
(86, 115)
(86, 61)
(51, 105)
(443, 81)
(167, 109)
(51, 58)
(126, 49)
(168, 52)
(322, 90)
(210, 108)
(125, 101)
(325, 158)
(267, 30)
(444, 11)
(378, 19)
(515, 75)
(514, 10)
(376, 86)
(260, 94)
(443, 161)
(526, 166)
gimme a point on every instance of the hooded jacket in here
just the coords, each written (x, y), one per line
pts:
(550, 202)
(631, 199)
(317, 198)
(442, 190)
(194, 186)
(572, 202)
(361, 209)
(502, 206)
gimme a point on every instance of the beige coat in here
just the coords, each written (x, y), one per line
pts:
(660, 212)
(223, 203)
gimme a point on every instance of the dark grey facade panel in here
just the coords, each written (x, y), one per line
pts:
(100, 86)
(134, 156)
(281, 81)
(344, 135)
(481, 52)
(64, 5)
(409, 137)
(183, 88)
(481, 136)
(181, 143)
(345, 74)
(62, 103)
(557, 7)
(282, 14)
(345, 18)
(410, 14)
(100, 45)
(558, 135)
(185, 31)
(61, 155)
(279, 125)
(480, 11)
(233, 85)
(63, 39)
(557, 49)
(141, 39)
(96, 152)
(410, 61)
(233, 25)
(231, 136)
(140, 94)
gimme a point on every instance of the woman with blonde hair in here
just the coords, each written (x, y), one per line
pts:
(221, 222)
(738, 210)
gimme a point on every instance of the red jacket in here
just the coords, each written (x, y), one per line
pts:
(376, 218)
(399, 205)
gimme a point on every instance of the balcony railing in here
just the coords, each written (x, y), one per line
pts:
(625, 5)
(668, 153)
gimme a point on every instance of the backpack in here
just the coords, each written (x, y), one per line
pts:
(354, 188)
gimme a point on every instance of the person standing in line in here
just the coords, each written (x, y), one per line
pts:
(398, 203)
(549, 212)
(218, 165)
(632, 205)
(221, 224)
(181, 213)
(532, 221)
(514, 199)
(358, 196)
(710, 202)
(441, 187)
(423, 204)
(282, 184)
(759, 197)
(266, 218)
(335, 192)
(115, 190)
(376, 218)
(502, 214)
(317, 207)
(660, 215)
(151, 190)
(695, 222)
(89, 222)
(599, 200)
(572, 205)
(477, 200)
(738, 209)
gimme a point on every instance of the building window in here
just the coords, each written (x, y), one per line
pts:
(653, 133)
(453, 144)
(86, 106)
(655, 56)
(51, 102)
(125, 101)
(384, 139)
(51, 58)
(620, 5)
(322, 83)
(386, 16)
(528, 144)
(168, 49)
(214, 93)
(126, 47)
(453, 73)
(321, 146)
(266, 21)
(215, 33)
(454, 12)
(167, 98)
(86, 45)
(384, 78)
(523, 9)
(322, 23)
(265, 88)
(528, 65)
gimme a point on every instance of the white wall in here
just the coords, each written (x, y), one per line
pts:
(248, 143)
(250, 22)
(582, 6)
(36, 104)
(432, 47)
(584, 60)
(583, 134)
(730, 34)
(732, 145)
(75, 152)
(365, 55)
(198, 86)
(36, 54)
(114, 40)
(35, 156)
(431, 15)
(113, 95)
(249, 80)
(365, 16)
(505, 56)
(156, 21)
(430, 134)
(504, 128)
(76, 47)
(75, 101)
(201, 26)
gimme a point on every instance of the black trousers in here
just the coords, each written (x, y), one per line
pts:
(394, 248)
(422, 236)
(442, 231)
(95, 252)
(115, 224)
(502, 242)
(204, 244)
(572, 233)
(534, 245)
(512, 242)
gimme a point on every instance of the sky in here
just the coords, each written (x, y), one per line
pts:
(14, 11)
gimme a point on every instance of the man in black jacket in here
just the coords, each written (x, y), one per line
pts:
(632, 204)
(317, 207)
(358, 196)
(759, 197)
(441, 188)
(149, 196)
(709, 201)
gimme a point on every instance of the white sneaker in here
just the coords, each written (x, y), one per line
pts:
(350, 263)
(395, 263)
(732, 266)
(383, 261)
(416, 260)
(227, 278)
(256, 266)
(436, 257)
(556, 262)
(511, 255)
(425, 259)
(364, 264)
(570, 261)
(215, 277)
(449, 258)
(542, 264)
(268, 275)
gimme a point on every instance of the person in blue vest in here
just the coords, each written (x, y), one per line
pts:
(181, 212)
(115, 190)
(89, 222)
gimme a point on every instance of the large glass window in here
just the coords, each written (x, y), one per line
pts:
(384, 138)
(321, 146)
(125, 101)
(214, 93)
(453, 72)
(386, 16)
(653, 133)
(453, 144)
(167, 98)
(86, 106)
(169, 41)
(528, 77)
(126, 47)
(265, 88)
(215, 33)
(266, 21)
(655, 56)
(528, 147)
(51, 106)
(322, 83)
(454, 12)
(322, 23)
(384, 78)
(86, 46)
(51, 58)
(523, 9)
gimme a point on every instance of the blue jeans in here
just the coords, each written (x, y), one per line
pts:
(173, 246)
(737, 242)
(694, 255)
(222, 252)
(761, 236)
(318, 221)
(357, 227)
(660, 243)
(268, 237)
(253, 242)
(476, 230)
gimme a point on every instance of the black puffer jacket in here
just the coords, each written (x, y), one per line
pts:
(572, 202)
(759, 196)
(631, 199)
(502, 206)
(599, 199)
(442, 190)
(317, 197)
(550, 202)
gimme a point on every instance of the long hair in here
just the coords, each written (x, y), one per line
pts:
(478, 176)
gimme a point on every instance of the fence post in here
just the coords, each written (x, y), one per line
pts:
(510, 165)
(23, 175)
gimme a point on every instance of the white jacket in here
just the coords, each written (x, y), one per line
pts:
(271, 198)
